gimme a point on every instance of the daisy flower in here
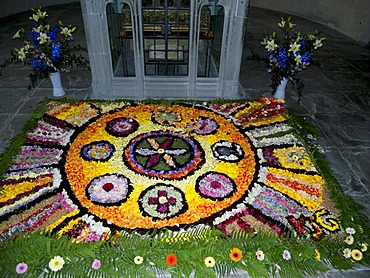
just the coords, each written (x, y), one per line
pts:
(347, 253)
(171, 259)
(138, 260)
(349, 240)
(56, 263)
(260, 255)
(363, 247)
(356, 255)
(96, 264)
(209, 262)
(235, 254)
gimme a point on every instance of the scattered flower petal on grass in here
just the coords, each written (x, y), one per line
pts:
(138, 260)
(96, 264)
(356, 255)
(236, 254)
(317, 254)
(56, 263)
(347, 253)
(209, 262)
(171, 259)
(260, 255)
(350, 230)
(286, 255)
(363, 247)
(21, 268)
(349, 240)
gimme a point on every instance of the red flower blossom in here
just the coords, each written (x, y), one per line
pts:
(171, 259)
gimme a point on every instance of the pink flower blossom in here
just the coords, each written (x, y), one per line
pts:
(286, 255)
(21, 268)
(96, 264)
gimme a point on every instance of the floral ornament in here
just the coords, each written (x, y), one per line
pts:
(138, 260)
(164, 154)
(122, 126)
(317, 254)
(227, 151)
(209, 262)
(96, 264)
(260, 255)
(356, 255)
(171, 259)
(97, 151)
(46, 48)
(215, 186)
(162, 201)
(21, 268)
(56, 263)
(110, 189)
(286, 255)
(290, 55)
(235, 254)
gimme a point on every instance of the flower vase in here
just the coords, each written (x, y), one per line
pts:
(58, 90)
(280, 90)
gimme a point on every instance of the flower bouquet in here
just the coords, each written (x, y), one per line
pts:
(290, 55)
(46, 48)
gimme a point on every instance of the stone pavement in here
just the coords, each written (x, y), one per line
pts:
(336, 97)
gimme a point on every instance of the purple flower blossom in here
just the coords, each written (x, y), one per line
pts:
(96, 264)
(21, 268)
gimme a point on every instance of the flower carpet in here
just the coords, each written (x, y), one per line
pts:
(146, 188)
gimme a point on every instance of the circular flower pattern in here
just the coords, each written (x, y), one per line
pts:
(163, 154)
(162, 201)
(97, 151)
(122, 126)
(157, 168)
(228, 151)
(109, 190)
(215, 186)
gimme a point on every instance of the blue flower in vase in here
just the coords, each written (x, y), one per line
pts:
(53, 34)
(37, 64)
(55, 52)
(282, 57)
(306, 57)
(34, 36)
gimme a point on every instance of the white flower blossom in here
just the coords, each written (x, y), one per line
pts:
(271, 45)
(294, 47)
(350, 231)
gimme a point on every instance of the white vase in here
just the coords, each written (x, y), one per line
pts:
(58, 90)
(280, 90)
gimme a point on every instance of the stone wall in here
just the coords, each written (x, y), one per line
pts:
(9, 7)
(349, 17)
